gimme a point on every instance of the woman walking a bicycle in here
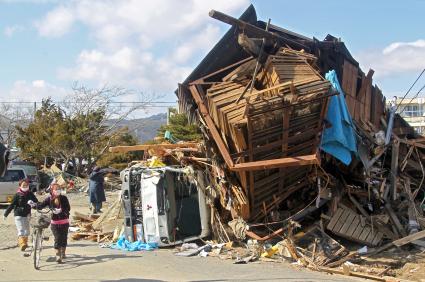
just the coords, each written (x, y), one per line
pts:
(59, 224)
(22, 212)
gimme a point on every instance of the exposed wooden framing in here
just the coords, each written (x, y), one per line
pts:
(361, 100)
(270, 128)
(414, 142)
(285, 129)
(349, 85)
(251, 159)
(211, 126)
(202, 79)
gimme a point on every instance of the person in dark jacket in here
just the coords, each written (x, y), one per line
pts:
(59, 224)
(96, 189)
(22, 211)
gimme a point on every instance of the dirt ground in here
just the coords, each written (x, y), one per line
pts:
(88, 262)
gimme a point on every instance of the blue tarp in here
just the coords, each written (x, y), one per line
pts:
(124, 244)
(338, 139)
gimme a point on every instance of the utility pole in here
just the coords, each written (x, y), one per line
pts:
(35, 109)
(168, 115)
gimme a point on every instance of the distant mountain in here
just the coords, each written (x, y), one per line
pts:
(144, 128)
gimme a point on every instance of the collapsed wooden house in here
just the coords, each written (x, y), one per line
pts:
(261, 98)
(260, 127)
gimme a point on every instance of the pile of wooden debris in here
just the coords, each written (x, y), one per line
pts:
(104, 228)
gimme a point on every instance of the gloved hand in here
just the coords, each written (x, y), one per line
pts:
(57, 211)
(31, 203)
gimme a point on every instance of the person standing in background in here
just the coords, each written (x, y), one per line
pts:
(96, 187)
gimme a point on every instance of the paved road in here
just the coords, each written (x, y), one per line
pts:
(88, 262)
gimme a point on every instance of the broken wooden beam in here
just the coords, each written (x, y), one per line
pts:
(399, 242)
(352, 273)
(277, 163)
(394, 169)
(254, 30)
(84, 217)
(125, 149)
(394, 219)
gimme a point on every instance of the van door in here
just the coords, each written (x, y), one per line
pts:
(9, 183)
(148, 190)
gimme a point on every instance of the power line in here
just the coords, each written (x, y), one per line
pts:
(420, 90)
(408, 91)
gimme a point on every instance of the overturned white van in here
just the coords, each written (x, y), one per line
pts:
(165, 205)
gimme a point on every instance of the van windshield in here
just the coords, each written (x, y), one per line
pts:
(12, 175)
(29, 169)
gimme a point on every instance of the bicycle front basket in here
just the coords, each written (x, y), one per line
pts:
(42, 221)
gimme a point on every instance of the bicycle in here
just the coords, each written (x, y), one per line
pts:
(42, 222)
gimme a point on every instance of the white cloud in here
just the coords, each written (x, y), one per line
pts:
(39, 83)
(36, 90)
(11, 30)
(127, 67)
(56, 23)
(396, 58)
(203, 40)
(149, 45)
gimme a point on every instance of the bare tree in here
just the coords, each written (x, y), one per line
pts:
(11, 115)
(85, 101)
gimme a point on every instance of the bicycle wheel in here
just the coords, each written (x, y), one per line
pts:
(37, 246)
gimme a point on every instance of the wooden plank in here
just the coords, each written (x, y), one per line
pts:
(348, 223)
(256, 31)
(377, 238)
(353, 226)
(352, 273)
(335, 218)
(394, 219)
(277, 163)
(84, 217)
(368, 101)
(341, 221)
(394, 169)
(358, 231)
(211, 126)
(365, 233)
(124, 149)
(349, 85)
(400, 242)
(362, 97)
(358, 206)
(372, 235)
(251, 174)
(202, 79)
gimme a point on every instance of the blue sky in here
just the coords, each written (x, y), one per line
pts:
(150, 46)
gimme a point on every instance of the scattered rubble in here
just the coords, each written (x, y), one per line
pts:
(71, 182)
(104, 228)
